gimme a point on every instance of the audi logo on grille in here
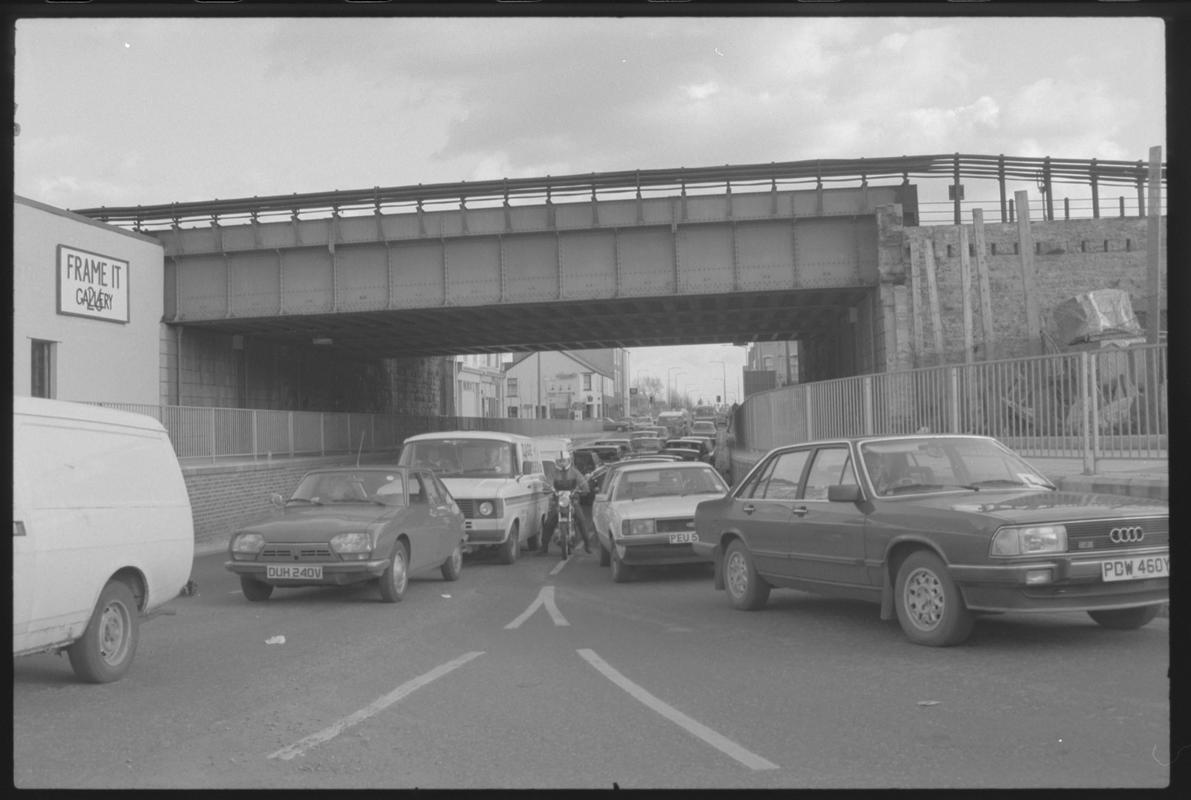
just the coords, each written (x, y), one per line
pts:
(1133, 533)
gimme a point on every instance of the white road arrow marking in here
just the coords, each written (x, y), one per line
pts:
(409, 687)
(544, 598)
(721, 743)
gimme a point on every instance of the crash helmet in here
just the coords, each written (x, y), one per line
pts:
(563, 462)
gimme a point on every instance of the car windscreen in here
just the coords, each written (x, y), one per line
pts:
(356, 486)
(667, 482)
(461, 458)
(930, 464)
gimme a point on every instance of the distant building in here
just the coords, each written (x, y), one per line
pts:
(557, 385)
(781, 358)
(479, 385)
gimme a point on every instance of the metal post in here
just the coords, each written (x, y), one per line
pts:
(1095, 192)
(1089, 457)
(322, 433)
(212, 435)
(254, 446)
(1094, 404)
(290, 414)
(1154, 248)
(868, 406)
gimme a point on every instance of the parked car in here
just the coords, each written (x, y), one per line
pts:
(588, 457)
(644, 513)
(623, 445)
(936, 529)
(346, 525)
(647, 444)
(102, 532)
(696, 443)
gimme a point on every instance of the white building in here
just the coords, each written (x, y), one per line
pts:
(87, 308)
(480, 385)
(557, 385)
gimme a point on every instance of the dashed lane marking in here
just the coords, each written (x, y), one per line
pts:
(719, 742)
(409, 687)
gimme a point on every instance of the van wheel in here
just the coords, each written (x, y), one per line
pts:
(105, 651)
(396, 577)
(512, 546)
(605, 554)
(254, 590)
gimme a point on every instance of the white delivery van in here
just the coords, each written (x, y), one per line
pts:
(102, 532)
(496, 479)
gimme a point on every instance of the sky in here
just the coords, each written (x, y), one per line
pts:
(128, 111)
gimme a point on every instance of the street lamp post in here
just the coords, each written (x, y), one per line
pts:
(670, 385)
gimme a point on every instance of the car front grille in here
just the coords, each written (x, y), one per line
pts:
(295, 552)
(683, 525)
(1083, 537)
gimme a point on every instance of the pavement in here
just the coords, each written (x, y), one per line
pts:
(1135, 477)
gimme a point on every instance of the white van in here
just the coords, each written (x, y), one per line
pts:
(496, 479)
(102, 532)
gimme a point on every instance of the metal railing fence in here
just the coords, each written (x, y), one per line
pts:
(1107, 403)
(201, 432)
(1001, 171)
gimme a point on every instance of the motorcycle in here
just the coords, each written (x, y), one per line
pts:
(566, 532)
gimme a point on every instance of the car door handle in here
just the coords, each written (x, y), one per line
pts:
(748, 508)
(800, 511)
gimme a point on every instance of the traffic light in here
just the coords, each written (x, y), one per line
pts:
(717, 399)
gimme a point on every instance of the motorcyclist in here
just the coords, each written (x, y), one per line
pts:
(566, 478)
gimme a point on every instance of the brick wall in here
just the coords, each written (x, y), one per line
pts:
(224, 497)
(1070, 258)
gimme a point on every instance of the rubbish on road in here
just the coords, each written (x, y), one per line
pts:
(275, 640)
(928, 702)
(447, 596)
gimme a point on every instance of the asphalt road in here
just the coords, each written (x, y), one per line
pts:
(531, 676)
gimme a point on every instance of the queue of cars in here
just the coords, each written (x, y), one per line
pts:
(934, 529)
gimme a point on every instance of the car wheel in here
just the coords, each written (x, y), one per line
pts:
(605, 554)
(748, 590)
(1124, 619)
(107, 646)
(929, 606)
(535, 541)
(453, 566)
(621, 572)
(396, 577)
(512, 546)
(254, 590)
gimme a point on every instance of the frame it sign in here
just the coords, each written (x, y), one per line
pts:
(92, 285)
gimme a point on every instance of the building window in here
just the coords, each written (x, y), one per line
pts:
(42, 379)
(512, 389)
(587, 381)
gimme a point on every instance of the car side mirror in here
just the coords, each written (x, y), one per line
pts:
(844, 494)
(277, 500)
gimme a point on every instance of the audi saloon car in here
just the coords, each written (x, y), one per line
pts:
(936, 529)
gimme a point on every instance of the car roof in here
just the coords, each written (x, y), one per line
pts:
(637, 466)
(499, 435)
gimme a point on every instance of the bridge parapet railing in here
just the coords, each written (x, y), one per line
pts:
(204, 432)
(1106, 403)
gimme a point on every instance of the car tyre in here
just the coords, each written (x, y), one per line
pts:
(930, 608)
(396, 578)
(621, 572)
(453, 566)
(254, 590)
(748, 590)
(105, 651)
(605, 554)
(512, 546)
(1124, 619)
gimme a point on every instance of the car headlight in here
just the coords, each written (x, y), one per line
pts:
(486, 508)
(639, 527)
(247, 544)
(351, 545)
(1029, 540)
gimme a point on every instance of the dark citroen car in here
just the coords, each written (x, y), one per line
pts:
(937, 529)
(352, 525)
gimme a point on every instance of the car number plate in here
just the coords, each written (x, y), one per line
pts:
(683, 538)
(1135, 569)
(284, 571)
